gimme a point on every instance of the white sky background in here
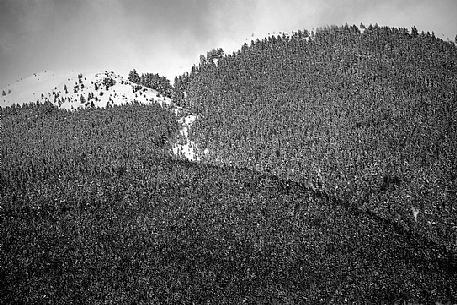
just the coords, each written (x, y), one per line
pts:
(167, 37)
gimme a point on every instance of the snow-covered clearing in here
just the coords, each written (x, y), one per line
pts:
(78, 90)
(184, 147)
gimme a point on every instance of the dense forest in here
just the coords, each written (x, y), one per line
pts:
(94, 210)
(320, 144)
(367, 117)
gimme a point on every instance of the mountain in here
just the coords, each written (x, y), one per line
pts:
(323, 172)
(365, 116)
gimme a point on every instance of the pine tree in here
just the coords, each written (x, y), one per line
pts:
(133, 76)
(202, 60)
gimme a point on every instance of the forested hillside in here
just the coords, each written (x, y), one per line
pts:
(329, 177)
(94, 210)
(369, 117)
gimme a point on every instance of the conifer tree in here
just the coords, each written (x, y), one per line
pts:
(133, 76)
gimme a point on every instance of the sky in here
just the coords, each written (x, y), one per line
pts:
(168, 36)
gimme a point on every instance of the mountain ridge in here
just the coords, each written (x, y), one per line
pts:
(324, 173)
(67, 89)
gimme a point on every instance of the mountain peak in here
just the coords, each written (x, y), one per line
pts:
(72, 90)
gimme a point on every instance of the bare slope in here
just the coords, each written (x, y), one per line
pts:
(78, 90)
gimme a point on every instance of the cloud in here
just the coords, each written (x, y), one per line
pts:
(167, 37)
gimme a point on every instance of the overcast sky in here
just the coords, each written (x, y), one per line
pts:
(167, 37)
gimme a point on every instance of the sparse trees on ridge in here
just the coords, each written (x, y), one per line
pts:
(154, 81)
(214, 54)
(108, 82)
(133, 76)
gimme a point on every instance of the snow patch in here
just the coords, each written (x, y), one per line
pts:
(79, 90)
(183, 146)
(415, 212)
